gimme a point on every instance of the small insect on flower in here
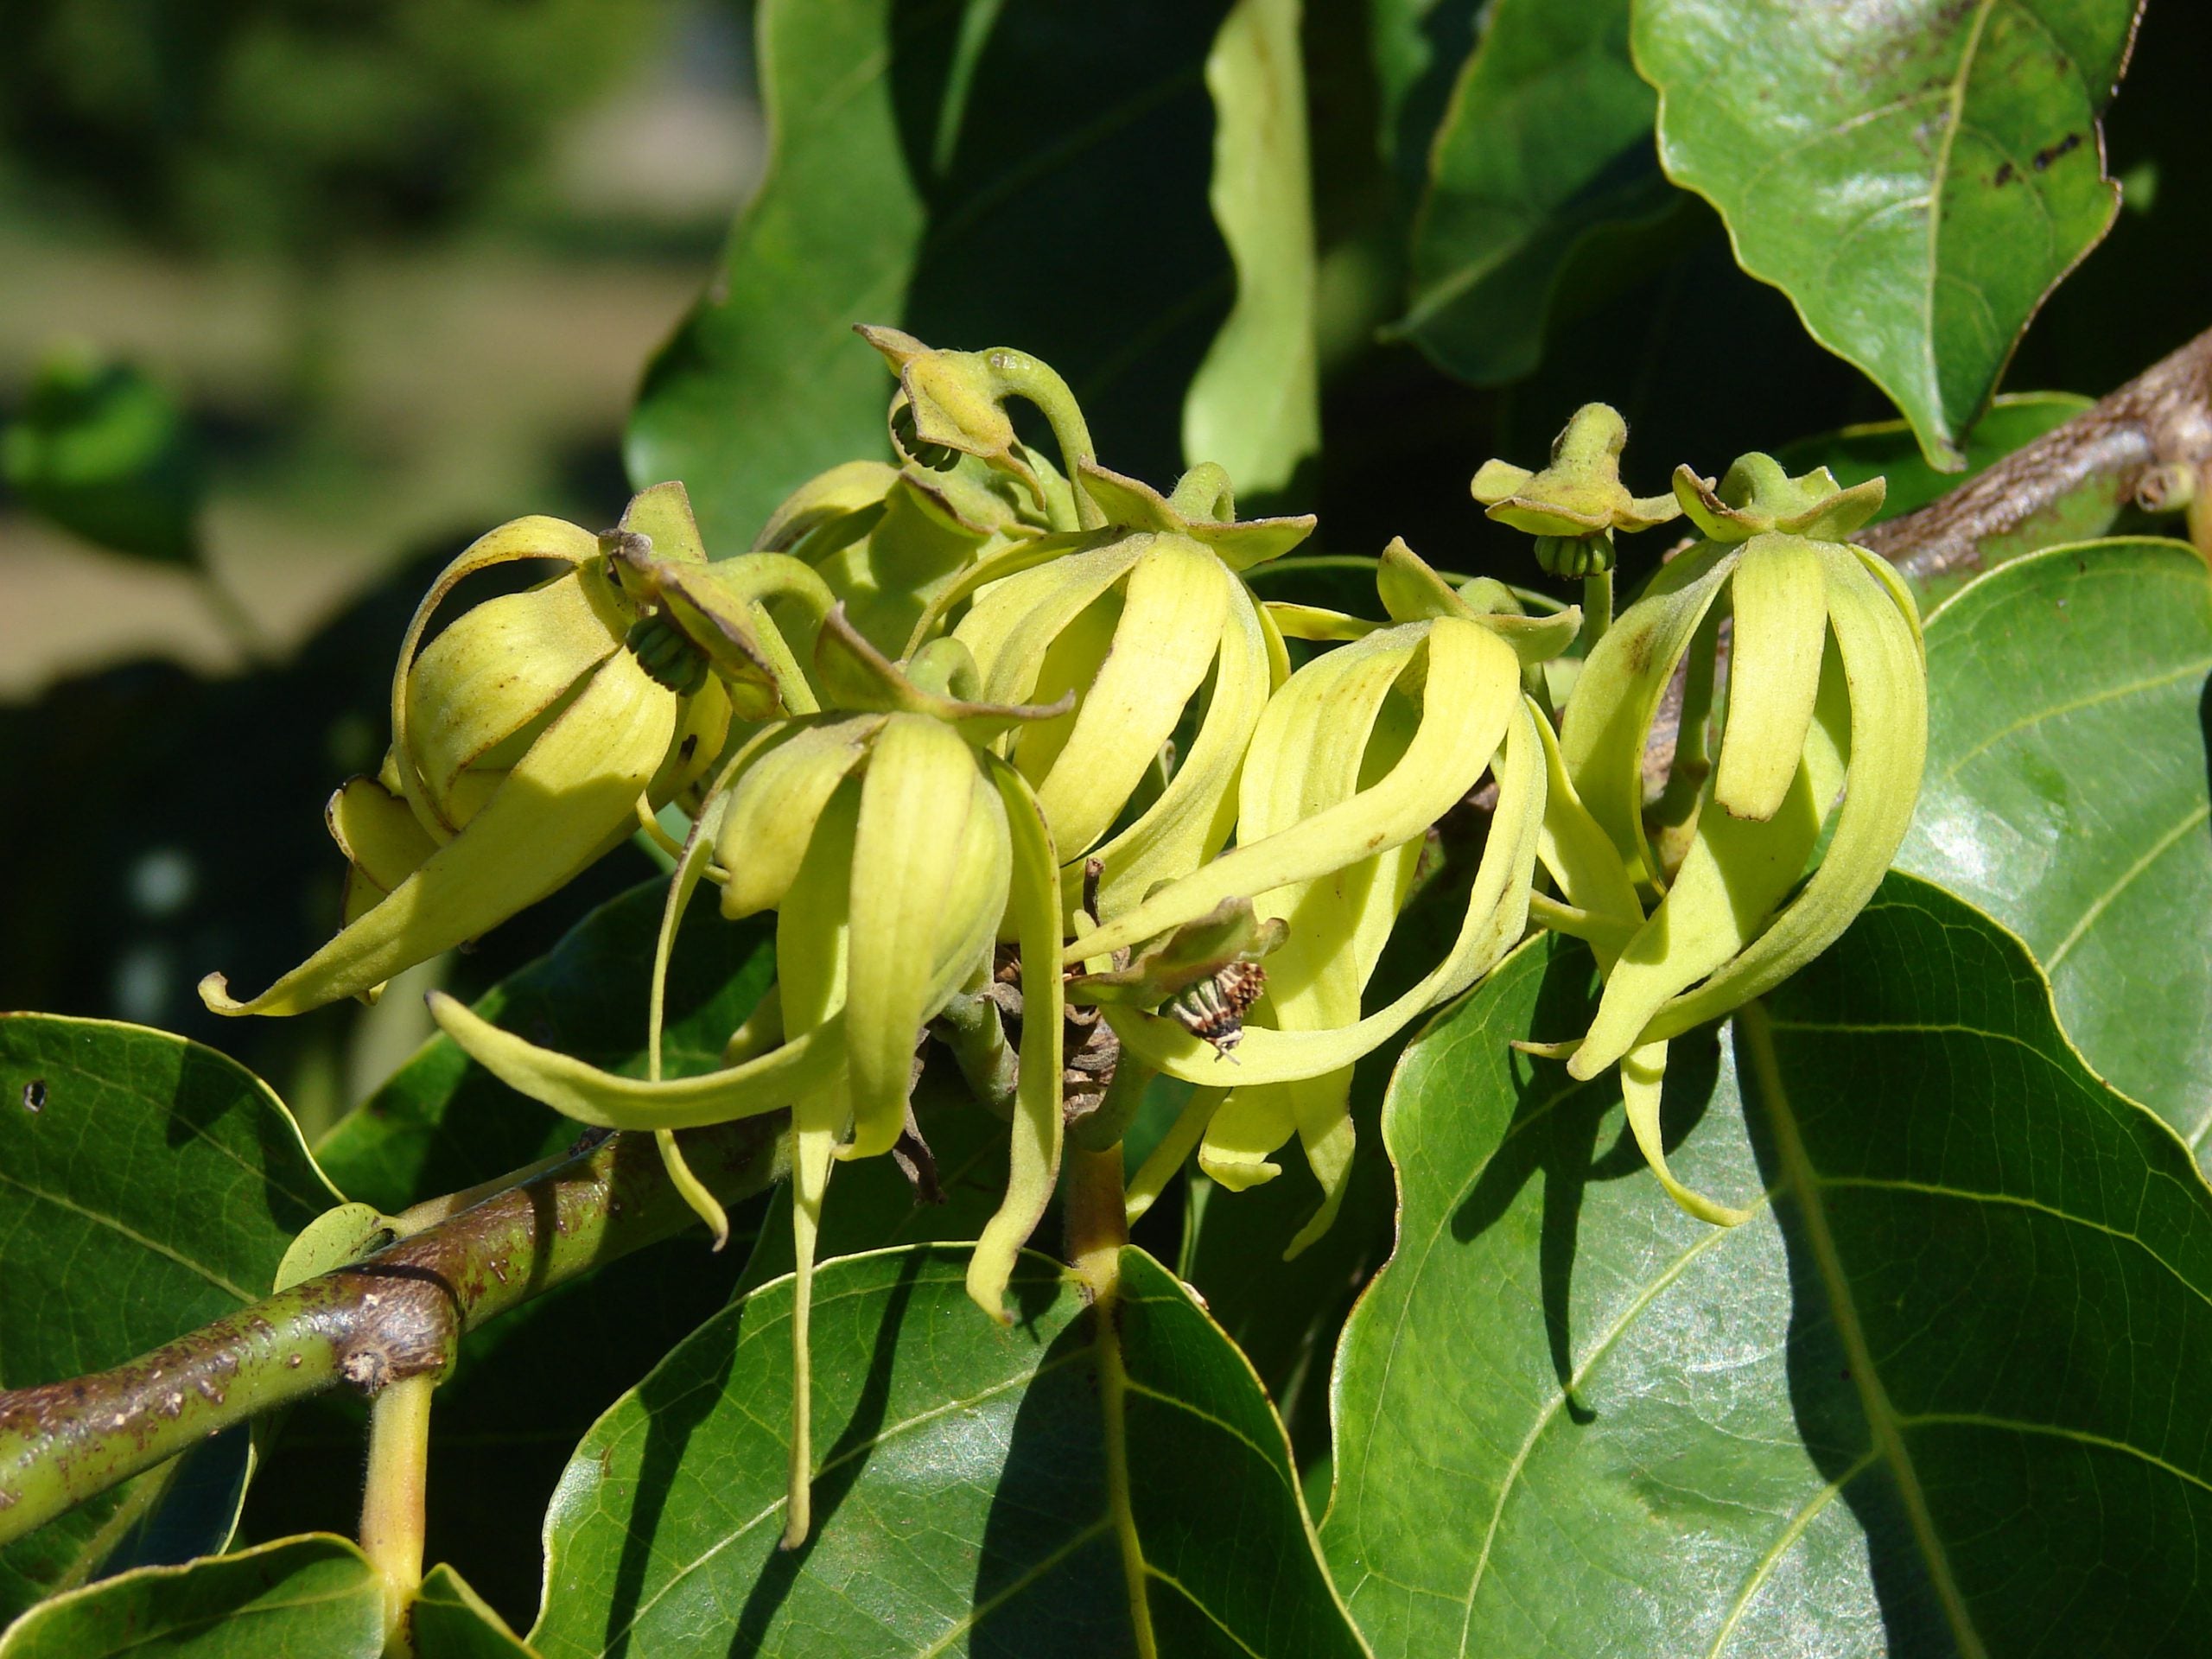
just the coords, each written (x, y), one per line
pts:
(1213, 1009)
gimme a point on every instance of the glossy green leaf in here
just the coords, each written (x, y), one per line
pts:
(443, 1123)
(992, 173)
(104, 451)
(1944, 1392)
(963, 1502)
(312, 1598)
(1254, 406)
(1916, 177)
(147, 1186)
(451, 1621)
(1545, 153)
(1418, 49)
(2066, 794)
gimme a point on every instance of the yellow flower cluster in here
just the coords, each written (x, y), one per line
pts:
(976, 708)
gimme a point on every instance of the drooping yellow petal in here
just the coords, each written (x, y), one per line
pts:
(565, 803)
(1335, 725)
(774, 806)
(1192, 819)
(1473, 693)
(1643, 1072)
(910, 858)
(1033, 1161)
(1607, 720)
(533, 538)
(1173, 614)
(841, 490)
(1735, 872)
(1014, 622)
(378, 834)
(1243, 1133)
(479, 691)
(602, 1098)
(691, 864)
(1888, 752)
(816, 1123)
(1580, 855)
(1774, 671)
(1496, 917)
(812, 951)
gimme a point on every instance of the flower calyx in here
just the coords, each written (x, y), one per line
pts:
(1757, 496)
(1202, 508)
(953, 402)
(1576, 505)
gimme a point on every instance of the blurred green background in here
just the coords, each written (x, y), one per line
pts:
(337, 285)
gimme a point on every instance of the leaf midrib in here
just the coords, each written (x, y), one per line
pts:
(1882, 1420)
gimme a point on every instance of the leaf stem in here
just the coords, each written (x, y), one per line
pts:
(396, 1314)
(1097, 1217)
(392, 1505)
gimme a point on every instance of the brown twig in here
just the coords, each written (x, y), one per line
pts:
(400, 1313)
(2137, 443)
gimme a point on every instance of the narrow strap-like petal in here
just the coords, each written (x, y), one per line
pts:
(774, 805)
(1496, 916)
(909, 850)
(1033, 1159)
(1472, 696)
(1643, 1072)
(1889, 750)
(1609, 717)
(1780, 594)
(533, 538)
(1173, 614)
(570, 797)
(591, 1096)
(1192, 819)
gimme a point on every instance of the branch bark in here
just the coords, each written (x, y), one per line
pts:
(397, 1315)
(2138, 444)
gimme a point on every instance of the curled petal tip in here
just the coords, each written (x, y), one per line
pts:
(1559, 1050)
(215, 992)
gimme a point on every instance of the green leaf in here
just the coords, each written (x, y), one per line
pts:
(451, 1621)
(984, 173)
(313, 1597)
(1916, 177)
(1887, 449)
(1945, 1392)
(443, 1123)
(1254, 406)
(2066, 795)
(1544, 156)
(147, 1186)
(1418, 47)
(963, 1501)
(104, 451)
